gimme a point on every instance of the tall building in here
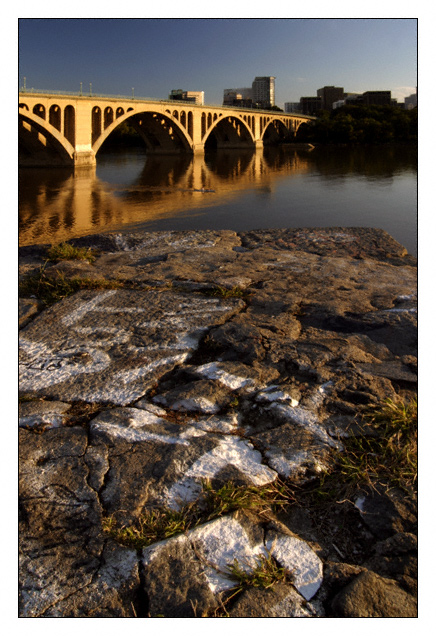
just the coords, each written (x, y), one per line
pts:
(377, 98)
(264, 92)
(196, 97)
(310, 105)
(238, 97)
(329, 94)
(411, 101)
(292, 107)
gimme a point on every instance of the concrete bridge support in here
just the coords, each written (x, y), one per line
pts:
(84, 158)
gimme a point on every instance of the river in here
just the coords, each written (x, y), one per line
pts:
(273, 188)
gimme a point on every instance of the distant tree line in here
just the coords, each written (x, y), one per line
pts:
(275, 108)
(362, 124)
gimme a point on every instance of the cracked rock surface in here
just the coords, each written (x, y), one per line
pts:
(222, 356)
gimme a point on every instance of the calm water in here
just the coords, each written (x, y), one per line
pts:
(375, 187)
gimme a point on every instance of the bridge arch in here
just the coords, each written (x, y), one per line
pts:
(161, 132)
(108, 116)
(70, 124)
(39, 110)
(54, 116)
(41, 143)
(250, 121)
(95, 124)
(275, 130)
(190, 124)
(230, 131)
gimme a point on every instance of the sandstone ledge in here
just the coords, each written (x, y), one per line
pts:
(244, 356)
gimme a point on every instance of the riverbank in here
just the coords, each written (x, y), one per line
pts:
(193, 398)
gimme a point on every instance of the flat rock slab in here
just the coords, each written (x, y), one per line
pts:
(336, 241)
(42, 415)
(150, 460)
(111, 346)
(212, 549)
(27, 308)
(67, 566)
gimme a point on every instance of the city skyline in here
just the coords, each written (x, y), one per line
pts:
(153, 56)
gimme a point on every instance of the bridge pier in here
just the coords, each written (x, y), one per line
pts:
(84, 157)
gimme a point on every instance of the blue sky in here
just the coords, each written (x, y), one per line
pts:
(154, 56)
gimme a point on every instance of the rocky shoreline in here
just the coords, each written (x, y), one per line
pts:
(222, 358)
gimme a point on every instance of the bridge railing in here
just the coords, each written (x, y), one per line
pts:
(90, 94)
(86, 94)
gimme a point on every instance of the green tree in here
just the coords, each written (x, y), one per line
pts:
(342, 129)
(362, 124)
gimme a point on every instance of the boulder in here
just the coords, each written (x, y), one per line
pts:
(372, 596)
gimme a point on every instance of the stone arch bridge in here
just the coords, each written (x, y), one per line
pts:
(69, 130)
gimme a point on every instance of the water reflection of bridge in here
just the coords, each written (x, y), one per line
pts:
(70, 129)
(66, 205)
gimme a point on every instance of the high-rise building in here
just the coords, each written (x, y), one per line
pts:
(411, 101)
(196, 97)
(264, 92)
(292, 107)
(238, 97)
(329, 94)
(377, 98)
(310, 105)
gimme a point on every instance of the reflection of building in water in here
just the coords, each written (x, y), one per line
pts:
(58, 206)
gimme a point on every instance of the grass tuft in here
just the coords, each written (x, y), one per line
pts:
(388, 456)
(153, 525)
(228, 498)
(391, 454)
(67, 252)
(223, 292)
(50, 289)
(266, 573)
(162, 523)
